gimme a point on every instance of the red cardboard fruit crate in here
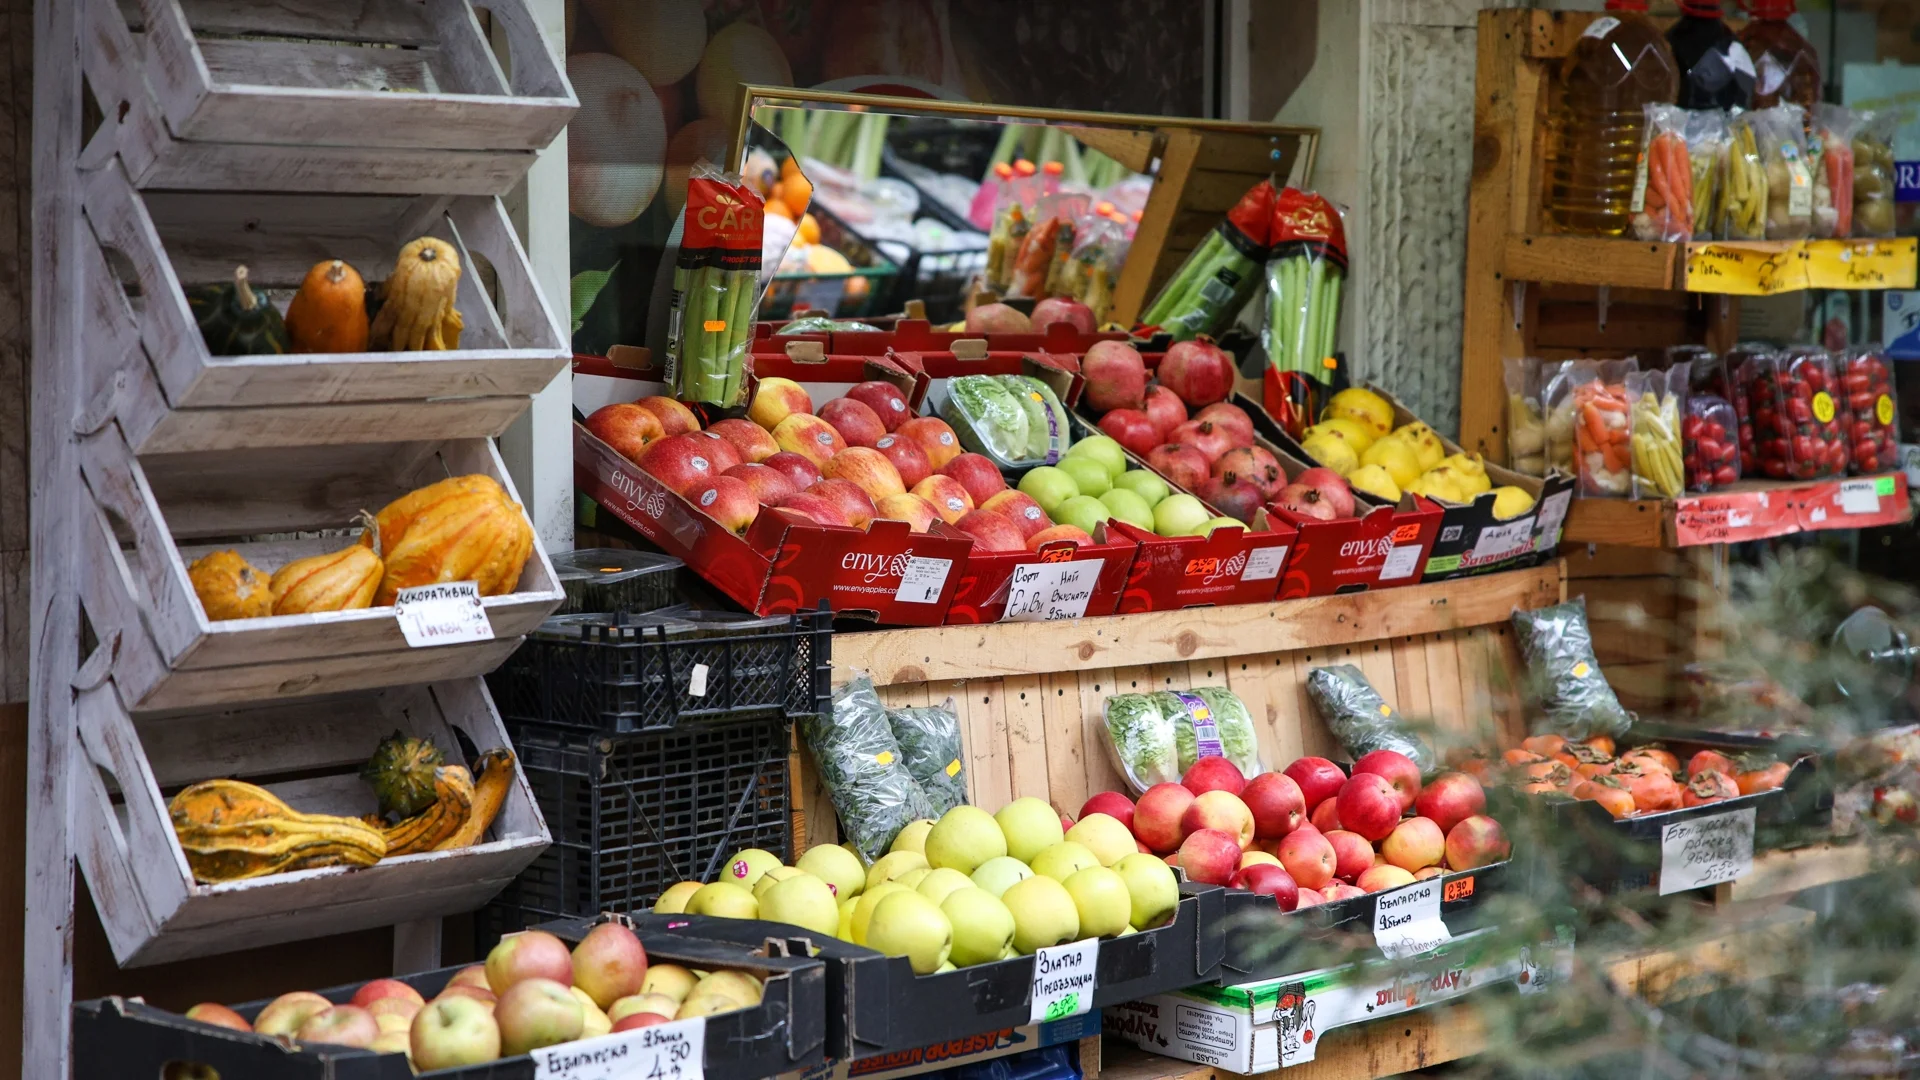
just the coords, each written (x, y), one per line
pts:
(918, 335)
(1061, 581)
(1232, 566)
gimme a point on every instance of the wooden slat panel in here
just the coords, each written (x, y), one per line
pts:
(1026, 737)
(1316, 739)
(991, 777)
(1444, 683)
(1410, 679)
(1094, 686)
(1065, 742)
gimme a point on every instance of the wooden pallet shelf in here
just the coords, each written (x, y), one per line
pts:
(1585, 260)
(1749, 510)
(1622, 263)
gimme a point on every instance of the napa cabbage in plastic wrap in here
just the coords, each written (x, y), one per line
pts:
(987, 417)
(1140, 738)
(1211, 721)
(1565, 686)
(1047, 436)
(931, 745)
(1361, 719)
(821, 324)
(863, 767)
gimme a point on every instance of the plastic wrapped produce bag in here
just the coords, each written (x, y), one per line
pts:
(716, 287)
(862, 765)
(1014, 419)
(1360, 718)
(1564, 680)
(1211, 721)
(1215, 282)
(1140, 738)
(931, 745)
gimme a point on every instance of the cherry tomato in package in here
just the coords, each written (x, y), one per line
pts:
(1866, 384)
(1799, 414)
(1711, 431)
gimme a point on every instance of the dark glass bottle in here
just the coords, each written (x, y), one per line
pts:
(1786, 67)
(1715, 70)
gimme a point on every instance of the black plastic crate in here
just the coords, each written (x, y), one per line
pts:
(632, 814)
(616, 579)
(615, 674)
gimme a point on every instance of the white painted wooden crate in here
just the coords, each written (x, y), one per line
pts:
(321, 95)
(153, 242)
(151, 517)
(152, 908)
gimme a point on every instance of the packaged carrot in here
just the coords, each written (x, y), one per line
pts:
(1831, 150)
(1602, 427)
(1663, 189)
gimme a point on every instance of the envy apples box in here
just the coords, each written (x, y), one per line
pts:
(1382, 546)
(918, 335)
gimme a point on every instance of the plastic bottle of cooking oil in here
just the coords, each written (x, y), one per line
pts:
(1596, 116)
(1788, 68)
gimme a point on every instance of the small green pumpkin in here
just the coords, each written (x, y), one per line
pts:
(236, 321)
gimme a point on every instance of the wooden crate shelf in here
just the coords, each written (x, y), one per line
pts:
(1585, 260)
(1638, 264)
(1749, 510)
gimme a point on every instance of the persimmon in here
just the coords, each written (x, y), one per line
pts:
(1654, 752)
(1609, 793)
(1708, 786)
(1549, 772)
(1544, 745)
(1651, 786)
(1477, 767)
(1518, 757)
(1710, 759)
(1589, 762)
(1761, 778)
(1602, 743)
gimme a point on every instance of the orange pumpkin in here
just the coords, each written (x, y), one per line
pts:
(337, 581)
(463, 528)
(329, 313)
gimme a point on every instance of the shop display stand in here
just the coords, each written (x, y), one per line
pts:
(281, 134)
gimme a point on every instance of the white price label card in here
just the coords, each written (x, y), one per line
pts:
(1859, 497)
(675, 1050)
(1497, 542)
(1401, 562)
(1263, 564)
(1553, 514)
(922, 580)
(445, 614)
(1406, 921)
(697, 681)
(1045, 592)
(1706, 851)
(1063, 980)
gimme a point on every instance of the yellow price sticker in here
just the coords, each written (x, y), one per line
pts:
(1883, 409)
(953, 767)
(884, 757)
(1745, 269)
(1863, 264)
(1823, 407)
(1580, 670)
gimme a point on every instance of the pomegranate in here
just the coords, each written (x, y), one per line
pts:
(997, 319)
(1198, 370)
(1304, 501)
(1233, 418)
(1116, 376)
(1203, 436)
(1237, 499)
(1061, 309)
(1132, 429)
(1186, 466)
(1255, 464)
(1332, 487)
(1165, 409)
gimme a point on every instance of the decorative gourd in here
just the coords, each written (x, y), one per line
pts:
(236, 321)
(459, 532)
(401, 773)
(395, 517)
(416, 309)
(489, 794)
(230, 587)
(329, 313)
(337, 581)
(452, 805)
(231, 830)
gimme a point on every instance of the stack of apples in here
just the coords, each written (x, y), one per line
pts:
(531, 992)
(1644, 780)
(1312, 834)
(1094, 483)
(970, 888)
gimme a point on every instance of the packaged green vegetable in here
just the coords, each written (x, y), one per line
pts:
(1216, 281)
(1564, 681)
(1361, 719)
(1140, 737)
(930, 742)
(863, 767)
(1305, 273)
(1016, 420)
(1211, 721)
(715, 289)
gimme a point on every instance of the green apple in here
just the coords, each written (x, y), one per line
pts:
(803, 900)
(1153, 886)
(724, 899)
(938, 883)
(674, 900)
(891, 866)
(1043, 914)
(1103, 449)
(1129, 507)
(1105, 837)
(912, 878)
(1089, 473)
(1049, 487)
(773, 877)
(1220, 523)
(1030, 825)
(836, 866)
(1063, 860)
(910, 925)
(1101, 898)
(982, 926)
(746, 866)
(1144, 483)
(963, 838)
(945, 966)
(863, 907)
(912, 836)
(995, 875)
(1082, 511)
(1180, 515)
(845, 933)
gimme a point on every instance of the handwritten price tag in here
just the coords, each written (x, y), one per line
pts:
(1862, 264)
(1746, 269)
(670, 1051)
(1706, 851)
(445, 614)
(1406, 921)
(1045, 592)
(1063, 980)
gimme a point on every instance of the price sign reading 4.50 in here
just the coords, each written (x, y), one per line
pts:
(672, 1051)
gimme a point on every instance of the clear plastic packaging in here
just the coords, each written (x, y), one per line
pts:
(935, 754)
(1706, 134)
(716, 287)
(1656, 398)
(1595, 113)
(1216, 281)
(1743, 195)
(1014, 419)
(1155, 738)
(1663, 186)
(1831, 151)
(1783, 148)
(1361, 719)
(1602, 427)
(1305, 275)
(1711, 430)
(1866, 383)
(1798, 422)
(1738, 368)
(1140, 741)
(1564, 680)
(1873, 173)
(1556, 394)
(860, 763)
(1526, 417)
(1786, 68)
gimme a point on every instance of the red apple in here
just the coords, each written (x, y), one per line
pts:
(1198, 370)
(1337, 891)
(529, 954)
(1351, 854)
(1220, 811)
(1116, 376)
(1165, 409)
(1414, 843)
(1232, 417)
(718, 448)
(1277, 805)
(626, 427)
(1186, 466)
(752, 441)
(471, 975)
(342, 1025)
(1332, 487)
(815, 507)
(384, 988)
(1209, 856)
(1156, 817)
(727, 500)
(1477, 841)
(1214, 774)
(978, 474)
(1319, 779)
(993, 532)
(680, 463)
(210, 1012)
(802, 472)
(1253, 464)
(1046, 536)
(1308, 898)
(935, 438)
(609, 964)
(1132, 429)
(854, 420)
(917, 512)
(865, 468)
(1381, 877)
(1452, 798)
(908, 459)
(1308, 856)
(1063, 309)
(768, 485)
(1019, 508)
(810, 437)
(1369, 805)
(998, 319)
(639, 1020)
(1205, 436)
(1326, 816)
(1304, 501)
(886, 401)
(947, 497)
(1269, 879)
(1426, 872)
(478, 993)
(855, 505)
(1237, 499)
(674, 417)
(1398, 769)
(536, 1013)
(404, 1008)
(776, 399)
(1113, 804)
